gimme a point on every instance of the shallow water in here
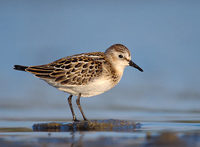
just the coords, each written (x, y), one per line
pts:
(157, 128)
(163, 37)
(177, 124)
(20, 133)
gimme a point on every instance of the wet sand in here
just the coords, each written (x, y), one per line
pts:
(90, 125)
(100, 133)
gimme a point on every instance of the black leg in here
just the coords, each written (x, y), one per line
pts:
(79, 106)
(70, 105)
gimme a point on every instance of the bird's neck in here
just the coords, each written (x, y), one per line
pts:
(119, 69)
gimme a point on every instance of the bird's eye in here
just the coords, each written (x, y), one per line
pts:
(120, 56)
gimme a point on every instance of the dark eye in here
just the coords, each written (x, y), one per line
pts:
(120, 56)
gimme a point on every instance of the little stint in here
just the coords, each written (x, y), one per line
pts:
(86, 74)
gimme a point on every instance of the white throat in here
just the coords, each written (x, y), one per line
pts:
(119, 68)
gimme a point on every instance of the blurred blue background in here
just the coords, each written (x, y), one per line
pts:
(163, 37)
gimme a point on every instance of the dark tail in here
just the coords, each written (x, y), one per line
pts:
(20, 67)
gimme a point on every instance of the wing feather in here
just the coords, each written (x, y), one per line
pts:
(73, 70)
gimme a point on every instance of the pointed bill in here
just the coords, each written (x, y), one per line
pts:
(131, 63)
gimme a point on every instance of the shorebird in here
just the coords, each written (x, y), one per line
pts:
(86, 74)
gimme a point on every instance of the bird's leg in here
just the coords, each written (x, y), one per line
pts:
(70, 105)
(79, 106)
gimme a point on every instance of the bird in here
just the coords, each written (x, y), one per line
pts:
(85, 74)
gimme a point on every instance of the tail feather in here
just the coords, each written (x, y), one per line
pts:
(20, 67)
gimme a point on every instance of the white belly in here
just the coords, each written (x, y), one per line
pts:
(94, 88)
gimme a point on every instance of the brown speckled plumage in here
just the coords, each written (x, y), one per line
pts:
(73, 70)
(85, 75)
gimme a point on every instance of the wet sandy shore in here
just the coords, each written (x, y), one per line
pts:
(101, 133)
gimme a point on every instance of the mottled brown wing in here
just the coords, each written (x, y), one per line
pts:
(77, 70)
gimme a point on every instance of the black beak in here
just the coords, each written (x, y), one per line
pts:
(131, 63)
